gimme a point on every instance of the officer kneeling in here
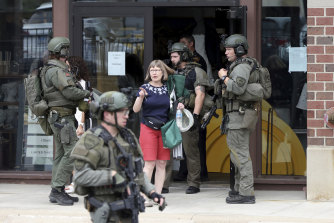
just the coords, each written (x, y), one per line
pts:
(109, 165)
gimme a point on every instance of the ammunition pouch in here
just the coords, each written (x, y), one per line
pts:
(45, 125)
(250, 119)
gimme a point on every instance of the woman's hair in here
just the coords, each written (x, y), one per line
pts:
(164, 68)
(78, 67)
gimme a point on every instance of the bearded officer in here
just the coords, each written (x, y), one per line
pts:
(63, 96)
(98, 166)
(196, 82)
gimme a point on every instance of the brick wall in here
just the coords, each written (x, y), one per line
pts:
(320, 69)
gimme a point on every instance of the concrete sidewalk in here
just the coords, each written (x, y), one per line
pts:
(24, 203)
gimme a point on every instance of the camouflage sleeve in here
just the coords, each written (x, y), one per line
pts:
(65, 83)
(84, 175)
(238, 79)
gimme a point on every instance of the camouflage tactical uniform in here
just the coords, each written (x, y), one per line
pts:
(94, 161)
(242, 121)
(62, 96)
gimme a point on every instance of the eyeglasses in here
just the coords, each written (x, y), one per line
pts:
(155, 70)
(125, 112)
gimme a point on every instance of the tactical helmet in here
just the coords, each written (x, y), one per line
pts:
(182, 49)
(238, 42)
(56, 45)
(109, 101)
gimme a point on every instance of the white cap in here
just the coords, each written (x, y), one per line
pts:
(187, 120)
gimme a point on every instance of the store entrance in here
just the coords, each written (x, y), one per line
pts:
(209, 26)
(143, 34)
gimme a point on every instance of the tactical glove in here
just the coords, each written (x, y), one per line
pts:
(158, 196)
(196, 124)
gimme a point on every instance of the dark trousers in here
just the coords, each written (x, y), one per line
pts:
(183, 170)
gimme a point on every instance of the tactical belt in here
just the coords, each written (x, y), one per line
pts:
(63, 111)
(236, 105)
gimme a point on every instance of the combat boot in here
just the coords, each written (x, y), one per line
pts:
(240, 199)
(74, 199)
(233, 193)
(60, 198)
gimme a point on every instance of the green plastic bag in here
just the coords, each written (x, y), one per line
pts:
(171, 135)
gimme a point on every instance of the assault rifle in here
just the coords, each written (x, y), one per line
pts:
(133, 201)
(208, 116)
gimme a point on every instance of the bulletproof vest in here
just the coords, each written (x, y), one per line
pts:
(52, 95)
(259, 84)
(102, 154)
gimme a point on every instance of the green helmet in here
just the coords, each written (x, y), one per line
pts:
(238, 42)
(56, 45)
(182, 49)
(109, 101)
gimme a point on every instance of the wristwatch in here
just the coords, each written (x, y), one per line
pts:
(223, 78)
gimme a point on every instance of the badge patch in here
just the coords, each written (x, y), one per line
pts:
(240, 81)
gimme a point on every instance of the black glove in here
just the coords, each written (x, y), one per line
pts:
(158, 196)
(196, 124)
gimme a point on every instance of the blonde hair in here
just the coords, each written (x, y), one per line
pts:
(164, 68)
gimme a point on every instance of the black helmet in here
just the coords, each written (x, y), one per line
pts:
(238, 42)
(182, 49)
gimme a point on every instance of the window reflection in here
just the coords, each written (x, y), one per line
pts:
(115, 34)
(284, 114)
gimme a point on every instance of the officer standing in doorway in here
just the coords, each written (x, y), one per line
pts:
(189, 41)
(108, 165)
(240, 118)
(62, 96)
(196, 82)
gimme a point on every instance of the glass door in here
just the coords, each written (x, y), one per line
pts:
(115, 43)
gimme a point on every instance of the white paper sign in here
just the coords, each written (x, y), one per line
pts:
(39, 152)
(116, 63)
(40, 140)
(297, 59)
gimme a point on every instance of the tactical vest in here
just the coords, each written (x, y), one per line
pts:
(52, 95)
(201, 79)
(102, 155)
(259, 84)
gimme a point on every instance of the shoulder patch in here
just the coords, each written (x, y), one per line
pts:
(240, 81)
(91, 141)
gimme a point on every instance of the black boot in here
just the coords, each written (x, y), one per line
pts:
(74, 199)
(233, 193)
(60, 198)
(240, 199)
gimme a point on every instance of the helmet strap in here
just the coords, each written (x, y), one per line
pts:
(110, 124)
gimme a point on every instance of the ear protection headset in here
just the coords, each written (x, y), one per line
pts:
(64, 52)
(240, 50)
(185, 54)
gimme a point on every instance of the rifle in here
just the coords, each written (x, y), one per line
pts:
(133, 201)
(208, 116)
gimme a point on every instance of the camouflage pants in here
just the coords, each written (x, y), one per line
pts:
(238, 143)
(64, 138)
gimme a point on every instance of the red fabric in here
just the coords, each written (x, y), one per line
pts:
(150, 141)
